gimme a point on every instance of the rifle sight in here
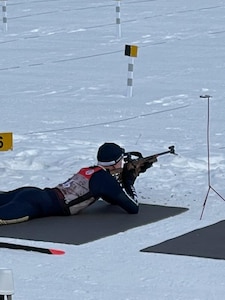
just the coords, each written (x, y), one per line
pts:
(172, 149)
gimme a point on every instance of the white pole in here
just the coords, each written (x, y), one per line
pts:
(118, 22)
(130, 77)
(4, 15)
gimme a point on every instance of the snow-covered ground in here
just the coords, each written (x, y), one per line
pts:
(63, 93)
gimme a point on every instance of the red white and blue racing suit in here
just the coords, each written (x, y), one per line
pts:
(68, 198)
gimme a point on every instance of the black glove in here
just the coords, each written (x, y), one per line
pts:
(128, 175)
(144, 167)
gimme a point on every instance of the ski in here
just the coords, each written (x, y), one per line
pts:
(31, 248)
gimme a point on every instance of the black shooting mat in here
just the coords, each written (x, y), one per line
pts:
(207, 242)
(97, 221)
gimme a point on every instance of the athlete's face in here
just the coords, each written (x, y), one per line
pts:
(118, 165)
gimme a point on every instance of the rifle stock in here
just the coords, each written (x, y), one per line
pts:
(136, 163)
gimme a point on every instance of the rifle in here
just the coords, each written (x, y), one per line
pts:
(139, 161)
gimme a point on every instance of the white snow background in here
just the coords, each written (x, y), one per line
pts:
(63, 93)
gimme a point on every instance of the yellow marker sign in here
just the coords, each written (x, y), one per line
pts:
(131, 50)
(6, 141)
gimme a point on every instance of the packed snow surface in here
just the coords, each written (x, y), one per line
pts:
(64, 92)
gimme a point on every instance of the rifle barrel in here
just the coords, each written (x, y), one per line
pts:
(171, 150)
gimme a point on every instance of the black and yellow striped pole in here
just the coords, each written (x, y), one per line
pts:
(131, 51)
(6, 141)
(118, 22)
(4, 15)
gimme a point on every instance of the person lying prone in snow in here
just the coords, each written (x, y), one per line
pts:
(78, 192)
